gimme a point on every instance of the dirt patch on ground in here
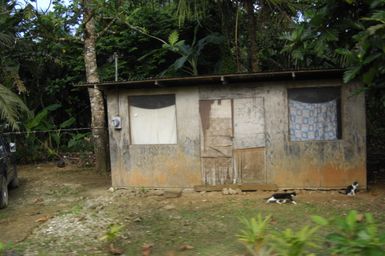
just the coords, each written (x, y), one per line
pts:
(70, 211)
(45, 191)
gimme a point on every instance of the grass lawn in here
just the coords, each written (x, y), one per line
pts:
(210, 223)
(67, 212)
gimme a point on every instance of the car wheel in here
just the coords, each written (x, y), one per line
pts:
(15, 181)
(3, 193)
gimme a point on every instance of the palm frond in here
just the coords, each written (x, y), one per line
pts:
(191, 10)
(11, 107)
(6, 40)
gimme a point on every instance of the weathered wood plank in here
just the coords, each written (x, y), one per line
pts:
(250, 165)
(211, 188)
(263, 187)
(243, 187)
(216, 141)
(217, 131)
(217, 170)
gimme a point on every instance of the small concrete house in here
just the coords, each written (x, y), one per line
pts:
(293, 129)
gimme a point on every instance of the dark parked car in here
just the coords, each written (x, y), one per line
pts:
(8, 173)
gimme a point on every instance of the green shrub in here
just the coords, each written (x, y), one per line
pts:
(355, 234)
(254, 235)
(112, 233)
(7, 249)
(291, 243)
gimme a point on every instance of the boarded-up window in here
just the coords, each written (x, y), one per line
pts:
(153, 119)
(314, 113)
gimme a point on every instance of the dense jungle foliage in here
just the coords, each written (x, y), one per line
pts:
(41, 54)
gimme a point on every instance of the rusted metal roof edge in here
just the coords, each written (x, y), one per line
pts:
(222, 79)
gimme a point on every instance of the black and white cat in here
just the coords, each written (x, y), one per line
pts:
(281, 198)
(351, 190)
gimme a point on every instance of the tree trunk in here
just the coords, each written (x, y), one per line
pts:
(99, 133)
(252, 42)
(236, 41)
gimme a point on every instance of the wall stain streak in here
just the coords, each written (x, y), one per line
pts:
(204, 111)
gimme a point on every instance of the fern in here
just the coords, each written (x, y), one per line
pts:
(173, 38)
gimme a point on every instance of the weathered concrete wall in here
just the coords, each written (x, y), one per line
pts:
(289, 164)
(306, 164)
(316, 164)
(156, 165)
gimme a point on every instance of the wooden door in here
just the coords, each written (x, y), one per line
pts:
(232, 141)
(216, 141)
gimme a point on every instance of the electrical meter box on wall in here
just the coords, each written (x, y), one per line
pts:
(117, 122)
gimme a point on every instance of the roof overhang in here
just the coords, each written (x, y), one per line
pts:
(222, 79)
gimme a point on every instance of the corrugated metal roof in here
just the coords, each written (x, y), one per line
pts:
(222, 79)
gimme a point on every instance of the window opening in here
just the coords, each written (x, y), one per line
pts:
(314, 113)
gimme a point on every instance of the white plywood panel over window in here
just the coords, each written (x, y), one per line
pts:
(249, 123)
(153, 126)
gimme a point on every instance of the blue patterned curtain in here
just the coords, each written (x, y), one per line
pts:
(313, 121)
